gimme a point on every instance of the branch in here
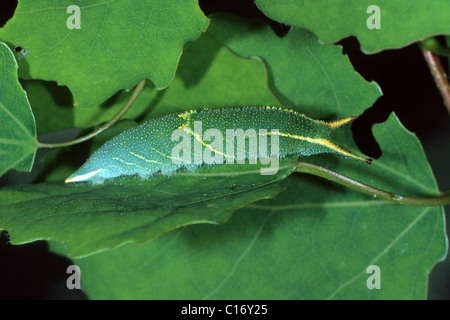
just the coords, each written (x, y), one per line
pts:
(440, 78)
(304, 167)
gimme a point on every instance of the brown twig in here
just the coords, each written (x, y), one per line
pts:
(439, 75)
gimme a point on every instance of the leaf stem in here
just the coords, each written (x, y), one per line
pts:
(433, 45)
(137, 91)
(439, 200)
(438, 74)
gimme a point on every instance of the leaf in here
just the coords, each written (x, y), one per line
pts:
(314, 242)
(119, 43)
(304, 73)
(209, 75)
(402, 22)
(18, 135)
(90, 218)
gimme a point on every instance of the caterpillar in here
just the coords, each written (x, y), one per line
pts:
(210, 136)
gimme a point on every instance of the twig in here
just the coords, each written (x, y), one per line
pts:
(439, 200)
(438, 74)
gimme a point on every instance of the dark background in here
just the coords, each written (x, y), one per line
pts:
(31, 272)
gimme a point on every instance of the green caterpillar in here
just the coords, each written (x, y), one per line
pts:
(156, 146)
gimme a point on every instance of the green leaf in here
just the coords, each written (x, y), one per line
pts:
(119, 43)
(315, 241)
(209, 75)
(90, 218)
(305, 74)
(402, 22)
(18, 135)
